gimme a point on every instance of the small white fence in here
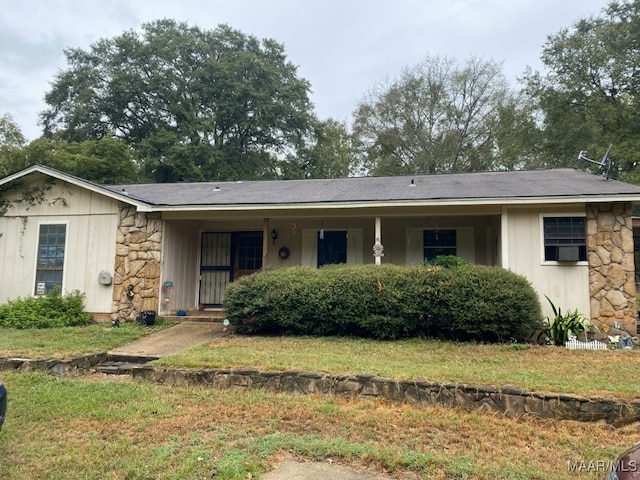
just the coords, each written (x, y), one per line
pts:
(574, 344)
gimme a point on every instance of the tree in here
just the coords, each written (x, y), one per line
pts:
(436, 117)
(10, 134)
(328, 154)
(11, 142)
(104, 161)
(589, 97)
(195, 104)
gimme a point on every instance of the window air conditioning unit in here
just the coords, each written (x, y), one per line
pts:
(568, 254)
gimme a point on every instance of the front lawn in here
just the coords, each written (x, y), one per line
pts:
(69, 341)
(530, 367)
(110, 428)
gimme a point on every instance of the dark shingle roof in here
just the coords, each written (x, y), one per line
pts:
(464, 186)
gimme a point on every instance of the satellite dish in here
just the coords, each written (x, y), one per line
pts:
(605, 163)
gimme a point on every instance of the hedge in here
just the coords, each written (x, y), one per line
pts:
(52, 310)
(465, 302)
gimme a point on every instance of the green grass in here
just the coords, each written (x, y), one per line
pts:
(101, 428)
(69, 341)
(530, 367)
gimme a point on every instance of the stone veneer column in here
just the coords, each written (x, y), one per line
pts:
(611, 266)
(137, 264)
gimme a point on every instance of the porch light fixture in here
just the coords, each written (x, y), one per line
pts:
(216, 189)
(274, 236)
(412, 184)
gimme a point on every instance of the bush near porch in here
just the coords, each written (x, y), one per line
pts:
(53, 310)
(466, 302)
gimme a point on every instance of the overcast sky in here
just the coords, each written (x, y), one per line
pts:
(343, 47)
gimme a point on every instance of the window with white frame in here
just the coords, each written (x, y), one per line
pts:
(50, 262)
(565, 239)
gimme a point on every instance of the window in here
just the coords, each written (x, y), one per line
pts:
(332, 247)
(50, 265)
(250, 251)
(565, 239)
(438, 242)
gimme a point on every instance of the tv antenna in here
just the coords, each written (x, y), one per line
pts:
(605, 163)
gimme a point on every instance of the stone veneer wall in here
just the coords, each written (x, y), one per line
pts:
(138, 244)
(612, 287)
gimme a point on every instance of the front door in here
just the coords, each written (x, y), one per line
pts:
(224, 257)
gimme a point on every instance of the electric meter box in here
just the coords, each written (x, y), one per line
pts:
(104, 278)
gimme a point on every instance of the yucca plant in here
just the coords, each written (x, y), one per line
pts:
(556, 329)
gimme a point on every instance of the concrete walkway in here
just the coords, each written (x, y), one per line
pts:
(171, 340)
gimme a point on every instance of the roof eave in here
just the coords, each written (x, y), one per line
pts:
(633, 198)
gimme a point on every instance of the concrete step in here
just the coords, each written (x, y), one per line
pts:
(122, 364)
(197, 316)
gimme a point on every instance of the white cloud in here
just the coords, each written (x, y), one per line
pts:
(343, 47)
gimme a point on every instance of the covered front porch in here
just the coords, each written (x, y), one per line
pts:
(202, 253)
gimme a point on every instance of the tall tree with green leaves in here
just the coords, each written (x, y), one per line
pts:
(103, 161)
(438, 116)
(11, 142)
(328, 153)
(195, 104)
(589, 96)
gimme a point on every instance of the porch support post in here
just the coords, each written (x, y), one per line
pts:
(504, 238)
(378, 234)
(265, 242)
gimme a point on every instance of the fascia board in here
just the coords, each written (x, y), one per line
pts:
(396, 203)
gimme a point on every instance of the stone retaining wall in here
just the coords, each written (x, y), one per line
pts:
(77, 365)
(508, 400)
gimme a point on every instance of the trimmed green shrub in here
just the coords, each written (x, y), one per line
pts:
(485, 303)
(50, 311)
(468, 302)
(448, 261)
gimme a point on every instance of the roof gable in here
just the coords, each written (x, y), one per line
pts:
(73, 180)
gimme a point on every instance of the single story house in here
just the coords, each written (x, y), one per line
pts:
(168, 247)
